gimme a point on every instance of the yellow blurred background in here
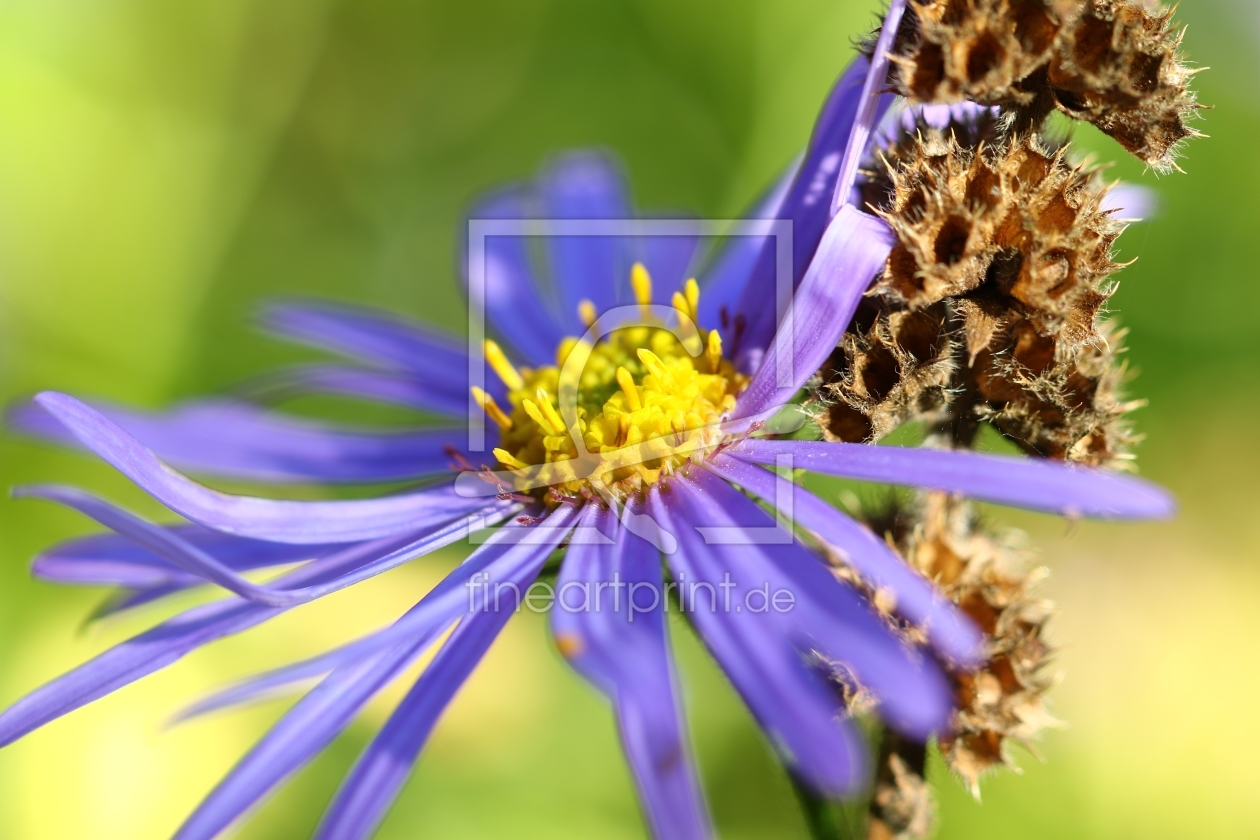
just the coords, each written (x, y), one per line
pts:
(163, 166)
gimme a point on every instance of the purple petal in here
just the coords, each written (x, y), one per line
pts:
(668, 259)
(915, 697)
(871, 106)
(111, 560)
(587, 185)
(949, 630)
(242, 441)
(383, 768)
(790, 701)
(513, 300)
(1132, 202)
(163, 542)
(386, 387)
(852, 251)
(373, 336)
(276, 520)
(297, 738)
(807, 205)
(626, 654)
(170, 641)
(724, 282)
(1021, 482)
(329, 707)
(435, 612)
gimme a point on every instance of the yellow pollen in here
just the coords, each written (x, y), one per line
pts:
(641, 282)
(491, 408)
(626, 381)
(587, 313)
(499, 364)
(614, 417)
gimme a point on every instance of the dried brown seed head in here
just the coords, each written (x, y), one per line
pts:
(1112, 63)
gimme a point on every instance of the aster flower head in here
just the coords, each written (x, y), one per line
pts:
(626, 417)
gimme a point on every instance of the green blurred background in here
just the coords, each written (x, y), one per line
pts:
(164, 165)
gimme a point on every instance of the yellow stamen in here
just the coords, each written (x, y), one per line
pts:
(691, 290)
(654, 364)
(553, 416)
(714, 353)
(507, 460)
(680, 303)
(491, 408)
(626, 381)
(641, 282)
(535, 413)
(498, 361)
(587, 313)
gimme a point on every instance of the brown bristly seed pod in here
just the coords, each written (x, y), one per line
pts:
(985, 573)
(988, 309)
(1115, 64)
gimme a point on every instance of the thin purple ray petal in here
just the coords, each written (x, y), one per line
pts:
(587, 185)
(852, 252)
(388, 387)
(789, 700)
(915, 697)
(724, 282)
(807, 205)
(111, 560)
(950, 631)
(370, 335)
(276, 520)
(869, 108)
(1020, 482)
(508, 290)
(625, 652)
(243, 441)
(329, 708)
(168, 642)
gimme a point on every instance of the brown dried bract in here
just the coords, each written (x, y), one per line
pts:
(1003, 702)
(1115, 64)
(1009, 333)
(1016, 217)
(902, 806)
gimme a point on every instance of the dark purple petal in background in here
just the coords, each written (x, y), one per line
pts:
(370, 335)
(240, 440)
(389, 387)
(587, 185)
(517, 307)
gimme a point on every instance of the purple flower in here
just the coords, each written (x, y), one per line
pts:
(655, 445)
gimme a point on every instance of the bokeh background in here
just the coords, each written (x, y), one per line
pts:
(164, 165)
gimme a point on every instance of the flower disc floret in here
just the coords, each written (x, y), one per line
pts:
(646, 400)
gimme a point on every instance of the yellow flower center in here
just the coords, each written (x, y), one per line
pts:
(615, 416)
